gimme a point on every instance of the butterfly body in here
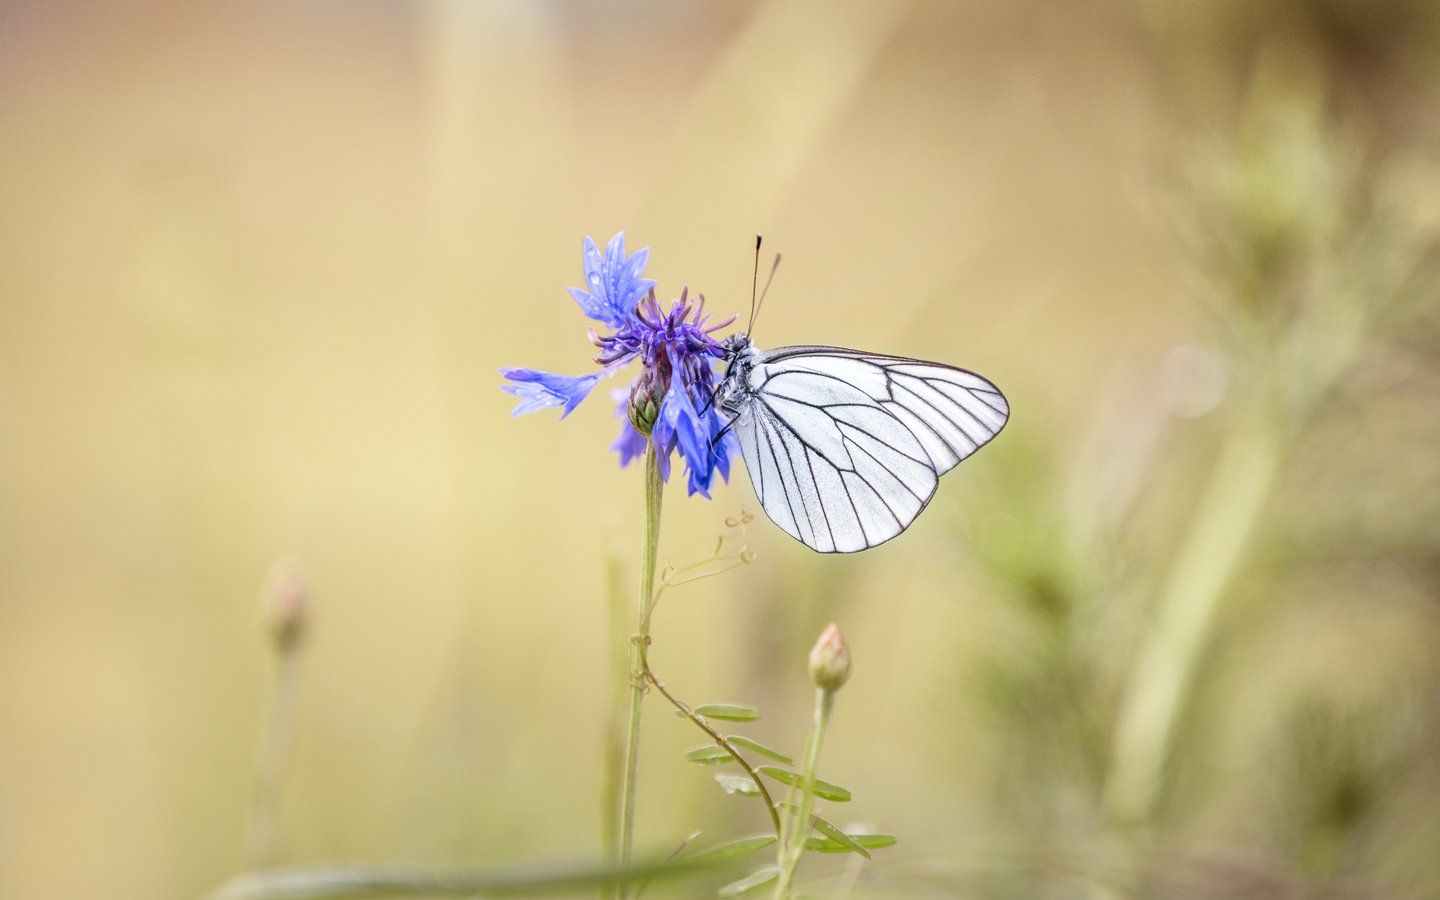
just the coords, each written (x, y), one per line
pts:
(845, 448)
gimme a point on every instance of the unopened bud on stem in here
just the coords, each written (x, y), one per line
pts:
(645, 400)
(830, 660)
(284, 613)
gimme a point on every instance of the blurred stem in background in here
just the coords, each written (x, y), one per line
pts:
(285, 618)
(1311, 248)
(639, 651)
(1149, 706)
(1166, 664)
(397, 881)
(612, 781)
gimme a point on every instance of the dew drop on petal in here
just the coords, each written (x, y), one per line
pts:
(594, 277)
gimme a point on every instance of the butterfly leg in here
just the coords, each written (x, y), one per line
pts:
(715, 441)
(710, 400)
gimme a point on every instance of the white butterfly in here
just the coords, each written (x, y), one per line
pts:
(845, 448)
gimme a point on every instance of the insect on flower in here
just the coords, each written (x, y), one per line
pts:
(844, 448)
(669, 402)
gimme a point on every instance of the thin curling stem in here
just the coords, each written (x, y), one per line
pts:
(724, 744)
(639, 651)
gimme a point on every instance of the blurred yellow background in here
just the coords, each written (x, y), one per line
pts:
(1175, 634)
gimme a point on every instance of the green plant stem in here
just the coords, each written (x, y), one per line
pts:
(262, 838)
(797, 829)
(396, 881)
(639, 650)
(724, 744)
(614, 750)
(1168, 658)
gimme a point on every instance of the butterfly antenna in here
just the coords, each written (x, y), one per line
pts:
(754, 281)
(769, 278)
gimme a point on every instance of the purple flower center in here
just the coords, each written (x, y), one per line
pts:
(657, 336)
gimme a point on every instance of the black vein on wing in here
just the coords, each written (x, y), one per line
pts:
(757, 477)
(1004, 407)
(958, 405)
(933, 430)
(902, 482)
(795, 475)
(825, 513)
(883, 501)
(885, 363)
(985, 429)
(819, 374)
(850, 499)
(879, 406)
(886, 366)
(784, 486)
(933, 408)
(773, 417)
(896, 362)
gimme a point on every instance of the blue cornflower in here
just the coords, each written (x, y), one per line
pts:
(670, 400)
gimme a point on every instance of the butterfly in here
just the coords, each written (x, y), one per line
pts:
(846, 448)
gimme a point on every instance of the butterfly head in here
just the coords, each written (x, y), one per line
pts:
(738, 344)
(740, 355)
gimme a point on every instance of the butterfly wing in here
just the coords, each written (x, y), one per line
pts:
(845, 448)
(952, 411)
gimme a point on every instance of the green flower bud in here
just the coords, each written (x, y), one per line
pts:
(645, 400)
(830, 660)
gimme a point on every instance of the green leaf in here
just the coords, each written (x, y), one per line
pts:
(732, 849)
(750, 882)
(838, 841)
(736, 784)
(709, 755)
(838, 836)
(740, 740)
(729, 712)
(867, 841)
(822, 789)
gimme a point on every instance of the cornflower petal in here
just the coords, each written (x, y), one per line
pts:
(612, 282)
(719, 446)
(663, 449)
(542, 390)
(693, 436)
(662, 434)
(723, 443)
(694, 486)
(631, 443)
